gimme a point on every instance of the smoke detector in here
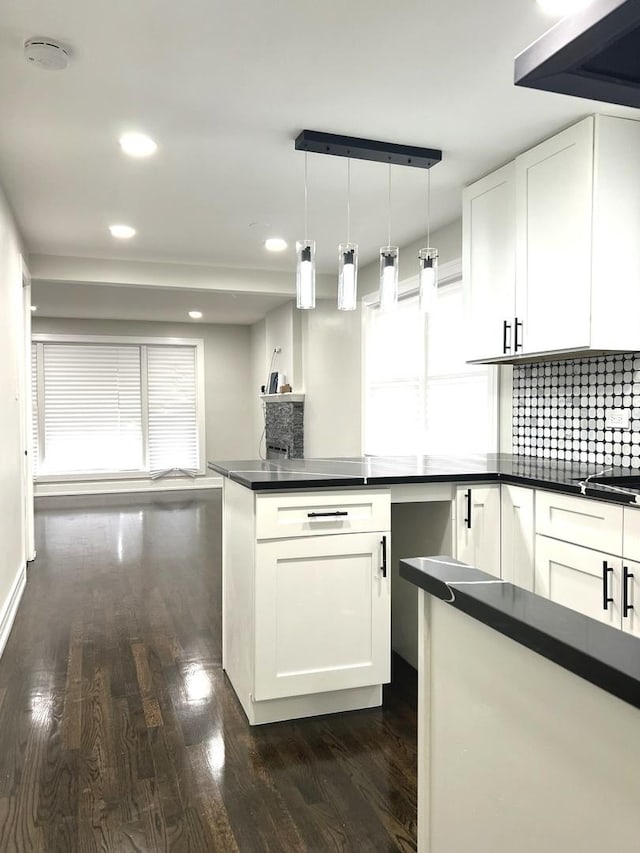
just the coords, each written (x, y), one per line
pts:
(46, 53)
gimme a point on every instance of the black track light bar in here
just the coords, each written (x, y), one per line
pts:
(367, 149)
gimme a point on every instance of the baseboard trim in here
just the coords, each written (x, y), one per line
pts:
(112, 487)
(10, 608)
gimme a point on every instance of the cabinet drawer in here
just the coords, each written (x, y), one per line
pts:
(592, 524)
(320, 513)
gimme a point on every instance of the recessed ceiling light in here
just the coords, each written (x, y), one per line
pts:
(561, 8)
(275, 244)
(137, 144)
(34, 307)
(195, 315)
(122, 232)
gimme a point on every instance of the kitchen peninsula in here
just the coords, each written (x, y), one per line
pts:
(528, 720)
(311, 548)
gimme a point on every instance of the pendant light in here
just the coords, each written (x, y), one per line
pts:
(348, 261)
(389, 257)
(428, 265)
(306, 260)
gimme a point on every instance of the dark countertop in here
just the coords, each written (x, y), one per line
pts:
(261, 475)
(605, 656)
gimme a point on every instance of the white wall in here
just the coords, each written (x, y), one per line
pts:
(228, 378)
(11, 401)
(259, 367)
(283, 329)
(331, 346)
(321, 352)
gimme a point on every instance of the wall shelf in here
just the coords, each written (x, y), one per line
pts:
(282, 398)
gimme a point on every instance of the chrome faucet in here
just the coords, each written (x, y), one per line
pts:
(584, 483)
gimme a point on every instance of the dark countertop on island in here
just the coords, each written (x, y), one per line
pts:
(346, 472)
(602, 655)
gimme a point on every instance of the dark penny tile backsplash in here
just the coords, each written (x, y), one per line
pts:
(559, 409)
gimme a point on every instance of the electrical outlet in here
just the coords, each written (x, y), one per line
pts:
(617, 419)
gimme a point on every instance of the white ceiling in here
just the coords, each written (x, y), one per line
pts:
(224, 88)
(109, 302)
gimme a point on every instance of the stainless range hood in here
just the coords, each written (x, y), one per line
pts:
(594, 54)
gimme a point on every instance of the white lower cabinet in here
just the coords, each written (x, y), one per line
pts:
(603, 586)
(323, 614)
(517, 535)
(306, 588)
(579, 578)
(477, 526)
(630, 597)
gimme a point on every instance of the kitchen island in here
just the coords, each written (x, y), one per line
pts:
(311, 550)
(528, 720)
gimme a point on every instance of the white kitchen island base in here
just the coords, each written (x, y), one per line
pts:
(306, 600)
(515, 752)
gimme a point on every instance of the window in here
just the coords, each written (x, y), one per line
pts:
(420, 396)
(114, 407)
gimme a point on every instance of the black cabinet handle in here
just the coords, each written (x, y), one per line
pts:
(606, 598)
(467, 498)
(518, 345)
(383, 567)
(626, 577)
(338, 512)
(506, 327)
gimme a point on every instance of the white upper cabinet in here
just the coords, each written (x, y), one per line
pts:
(576, 217)
(489, 264)
(554, 189)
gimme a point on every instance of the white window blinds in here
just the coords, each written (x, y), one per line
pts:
(92, 408)
(419, 394)
(34, 409)
(459, 400)
(173, 423)
(394, 371)
(116, 408)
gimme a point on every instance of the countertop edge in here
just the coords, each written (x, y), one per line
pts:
(327, 481)
(594, 665)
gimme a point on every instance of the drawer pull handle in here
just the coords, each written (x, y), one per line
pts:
(467, 497)
(383, 567)
(506, 327)
(626, 577)
(338, 512)
(518, 344)
(606, 598)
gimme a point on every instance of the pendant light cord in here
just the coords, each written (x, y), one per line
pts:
(306, 216)
(389, 210)
(348, 199)
(428, 208)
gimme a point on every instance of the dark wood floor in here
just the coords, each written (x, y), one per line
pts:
(120, 732)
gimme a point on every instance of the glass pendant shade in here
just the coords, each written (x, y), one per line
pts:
(347, 276)
(306, 274)
(389, 257)
(428, 279)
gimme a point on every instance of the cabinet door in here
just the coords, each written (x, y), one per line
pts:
(630, 616)
(517, 526)
(554, 201)
(488, 229)
(573, 576)
(478, 527)
(322, 614)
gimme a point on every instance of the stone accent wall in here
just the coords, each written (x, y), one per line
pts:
(285, 427)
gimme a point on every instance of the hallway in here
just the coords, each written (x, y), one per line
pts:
(119, 731)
